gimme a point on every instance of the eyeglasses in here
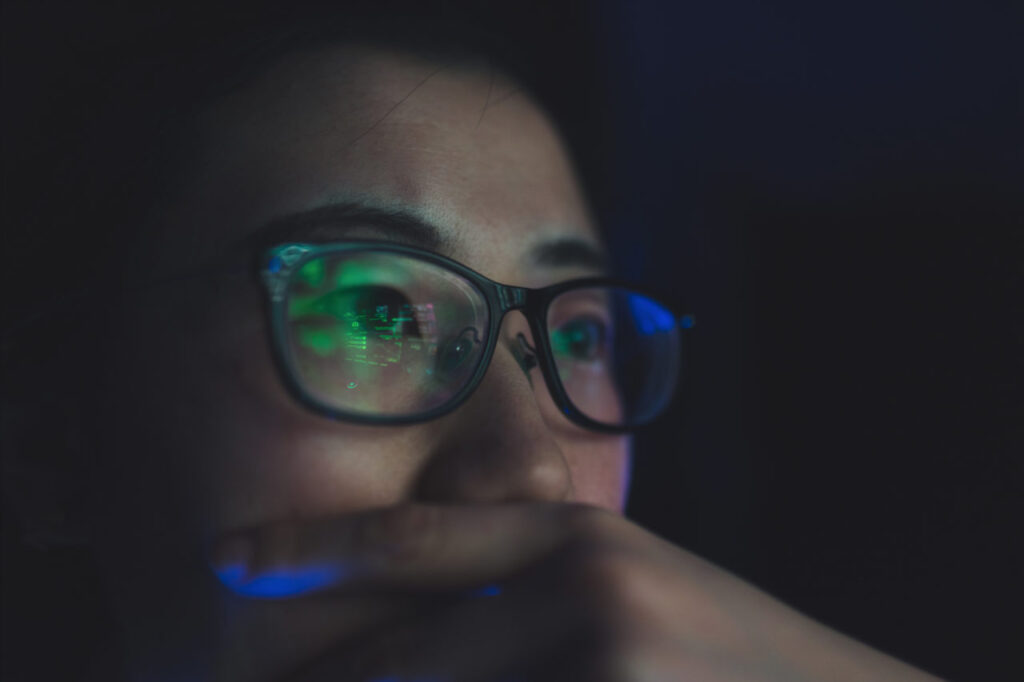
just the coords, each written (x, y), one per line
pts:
(381, 333)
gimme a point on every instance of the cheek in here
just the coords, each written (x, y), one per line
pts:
(600, 468)
(600, 465)
(266, 457)
(204, 418)
(273, 464)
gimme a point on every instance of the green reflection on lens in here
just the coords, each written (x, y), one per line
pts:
(320, 341)
(579, 339)
(312, 273)
(300, 306)
(355, 274)
(357, 316)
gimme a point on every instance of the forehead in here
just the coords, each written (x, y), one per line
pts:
(456, 145)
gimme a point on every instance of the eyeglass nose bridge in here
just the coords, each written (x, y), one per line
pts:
(526, 355)
(510, 298)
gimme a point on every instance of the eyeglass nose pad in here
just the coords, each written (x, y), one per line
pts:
(525, 354)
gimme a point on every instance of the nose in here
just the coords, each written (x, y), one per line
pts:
(498, 446)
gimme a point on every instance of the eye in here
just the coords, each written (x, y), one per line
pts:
(348, 317)
(373, 308)
(361, 302)
(454, 354)
(582, 338)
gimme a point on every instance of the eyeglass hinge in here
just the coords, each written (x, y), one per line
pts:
(279, 267)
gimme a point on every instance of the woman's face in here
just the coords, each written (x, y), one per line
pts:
(204, 438)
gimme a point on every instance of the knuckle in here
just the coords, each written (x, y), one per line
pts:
(593, 523)
(609, 588)
(612, 584)
(610, 659)
(605, 572)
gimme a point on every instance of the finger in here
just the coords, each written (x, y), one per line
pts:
(411, 547)
(263, 640)
(485, 638)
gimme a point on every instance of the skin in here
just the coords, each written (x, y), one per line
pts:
(214, 476)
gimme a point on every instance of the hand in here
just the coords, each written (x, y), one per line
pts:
(584, 595)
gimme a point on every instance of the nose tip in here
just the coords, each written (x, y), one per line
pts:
(498, 446)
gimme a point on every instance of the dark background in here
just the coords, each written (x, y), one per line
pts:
(835, 190)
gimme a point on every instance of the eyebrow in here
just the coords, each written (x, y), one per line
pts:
(569, 252)
(340, 221)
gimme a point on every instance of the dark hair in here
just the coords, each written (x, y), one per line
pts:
(104, 100)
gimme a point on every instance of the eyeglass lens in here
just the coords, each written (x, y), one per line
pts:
(390, 335)
(383, 334)
(616, 352)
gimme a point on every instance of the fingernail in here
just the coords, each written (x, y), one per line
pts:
(231, 558)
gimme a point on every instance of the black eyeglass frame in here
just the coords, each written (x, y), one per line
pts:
(281, 262)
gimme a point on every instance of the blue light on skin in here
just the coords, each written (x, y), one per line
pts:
(281, 582)
(274, 265)
(486, 591)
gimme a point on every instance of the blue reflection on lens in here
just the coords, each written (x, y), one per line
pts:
(687, 322)
(279, 582)
(650, 317)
